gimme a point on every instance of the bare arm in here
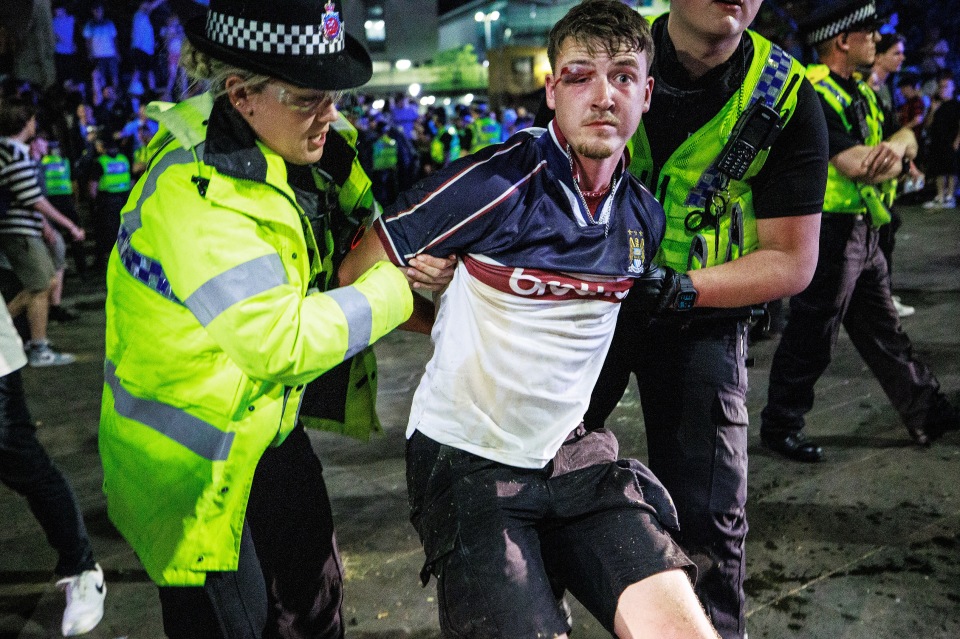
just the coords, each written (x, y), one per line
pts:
(875, 164)
(50, 212)
(364, 255)
(782, 266)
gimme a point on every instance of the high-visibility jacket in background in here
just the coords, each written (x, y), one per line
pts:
(56, 175)
(116, 173)
(844, 195)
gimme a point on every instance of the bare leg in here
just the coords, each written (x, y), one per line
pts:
(20, 302)
(38, 313)
(56, 291)
(662, 607)
(941, 187)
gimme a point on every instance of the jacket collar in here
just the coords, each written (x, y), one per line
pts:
(231, 145)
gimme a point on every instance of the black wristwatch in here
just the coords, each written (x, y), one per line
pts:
(687, 296)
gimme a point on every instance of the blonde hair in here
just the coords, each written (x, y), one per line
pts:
(205, 69)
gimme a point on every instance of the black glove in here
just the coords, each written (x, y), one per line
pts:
(662, 289)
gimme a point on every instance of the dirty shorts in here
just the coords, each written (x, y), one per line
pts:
(505, 542)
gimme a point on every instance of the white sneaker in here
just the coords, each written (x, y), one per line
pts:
(949, 203)
(40, 353)
(85, 594)
(935, 203)
(903, 310)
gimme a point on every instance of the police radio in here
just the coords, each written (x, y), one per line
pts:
(755, 131)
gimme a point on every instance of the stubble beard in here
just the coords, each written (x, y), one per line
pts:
(593, 151)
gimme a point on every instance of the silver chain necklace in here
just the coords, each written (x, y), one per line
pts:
(604, 217)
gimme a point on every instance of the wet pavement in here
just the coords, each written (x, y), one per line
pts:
(865, 544)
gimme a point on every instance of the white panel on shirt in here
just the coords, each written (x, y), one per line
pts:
(517, 353)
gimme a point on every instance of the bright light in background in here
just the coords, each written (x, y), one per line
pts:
(378, 105)
(467, 99)
(376, 30)
(427, 100)
(446, 102)
(479, 16)
(486, 63)
(494, 16)
(403, 65)
(414, 89)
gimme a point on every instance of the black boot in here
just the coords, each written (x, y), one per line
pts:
(941, 418)
(793, 446)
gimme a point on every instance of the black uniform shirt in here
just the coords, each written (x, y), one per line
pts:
(792, 180)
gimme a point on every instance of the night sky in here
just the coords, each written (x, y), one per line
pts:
(447, 5)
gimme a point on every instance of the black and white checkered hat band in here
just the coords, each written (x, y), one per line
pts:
(840, 25)
(267, 37)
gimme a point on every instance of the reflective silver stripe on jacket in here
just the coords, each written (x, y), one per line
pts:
(356, 308)
(144, 268)
(198, 436)
(235, 285)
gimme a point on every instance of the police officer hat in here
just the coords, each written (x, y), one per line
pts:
(302, 42)
(833, 18)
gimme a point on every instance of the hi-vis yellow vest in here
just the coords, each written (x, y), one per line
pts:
(212, 332)
(843, 195)
(688, 175)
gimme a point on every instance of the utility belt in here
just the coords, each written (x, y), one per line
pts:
(702, 316)
(840, 218)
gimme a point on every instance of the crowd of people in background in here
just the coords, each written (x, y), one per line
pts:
(92, 125)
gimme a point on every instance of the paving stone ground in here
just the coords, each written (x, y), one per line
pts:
(864, 545)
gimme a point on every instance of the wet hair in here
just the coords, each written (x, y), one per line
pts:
(15, 113)
(609, 25)
(203, 67)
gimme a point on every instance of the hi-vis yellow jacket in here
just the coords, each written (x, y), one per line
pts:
(213, 329)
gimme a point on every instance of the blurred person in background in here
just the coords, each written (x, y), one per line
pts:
(943, 142)
(100, 34)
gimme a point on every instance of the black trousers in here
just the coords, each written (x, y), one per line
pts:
(289, 582)
(850, 287)
(888, 237)
(106, 224)
(26, 468)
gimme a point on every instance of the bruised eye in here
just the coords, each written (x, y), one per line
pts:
(574, 78)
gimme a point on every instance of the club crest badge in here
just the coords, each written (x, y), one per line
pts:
(332, 25)
(637, 252)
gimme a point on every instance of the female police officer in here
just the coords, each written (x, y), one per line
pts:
(215, 322)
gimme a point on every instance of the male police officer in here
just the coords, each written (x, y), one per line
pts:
(109, 186)
(742, 218)
(851, 285)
